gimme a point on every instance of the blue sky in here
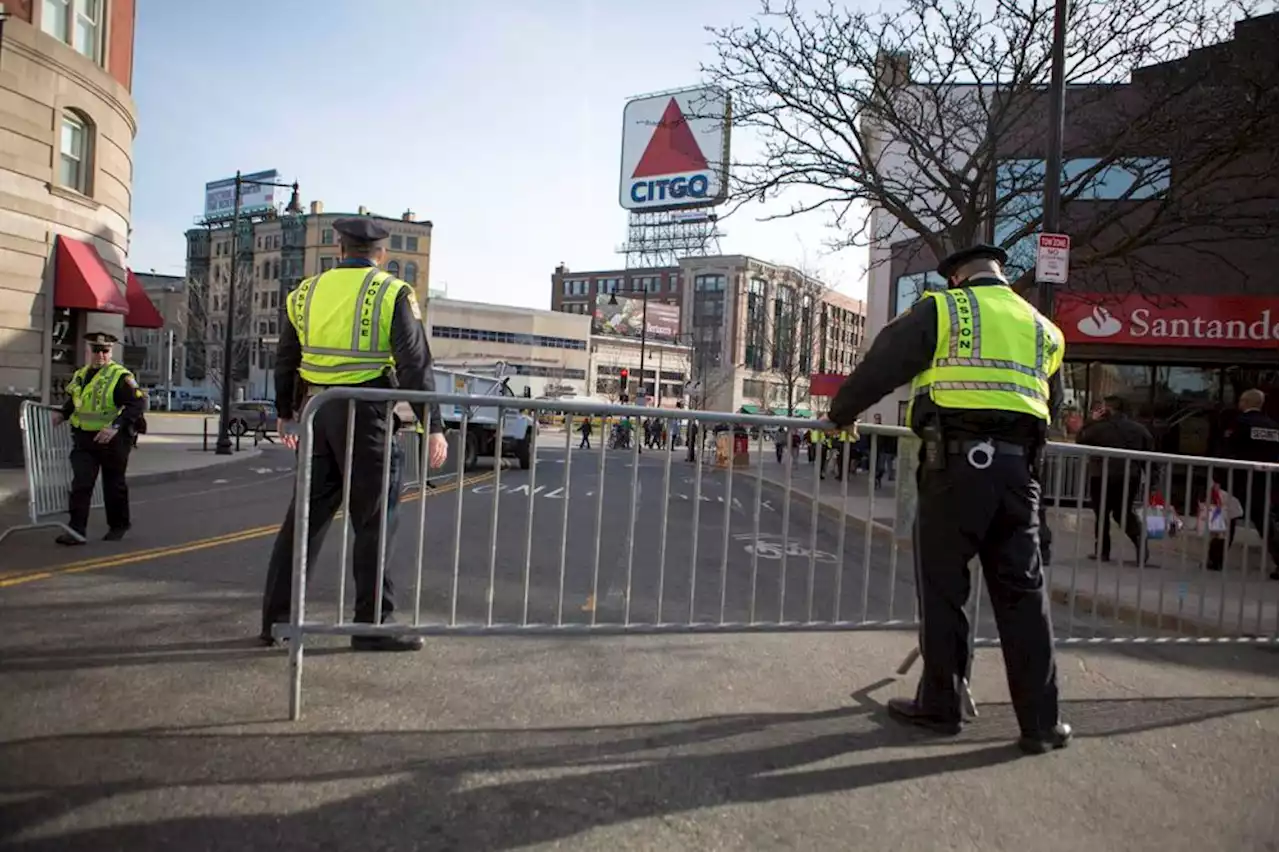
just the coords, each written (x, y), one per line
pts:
(497, 122)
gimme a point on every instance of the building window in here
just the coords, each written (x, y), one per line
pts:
(411, 273)
(397, 242)
(326, 236)
(909, 288)
(411, 243)
(394, 268)
(77, 23)
(708, 283)
(75, 152)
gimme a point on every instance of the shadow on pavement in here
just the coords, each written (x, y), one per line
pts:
(484, 788)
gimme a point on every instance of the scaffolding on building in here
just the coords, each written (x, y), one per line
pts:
(661, 239)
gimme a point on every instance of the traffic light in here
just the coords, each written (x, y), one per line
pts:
(623, 374)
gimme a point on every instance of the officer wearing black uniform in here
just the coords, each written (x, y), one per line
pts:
(983, 365)
(355, 297)
(1255, 437)
(105, 407)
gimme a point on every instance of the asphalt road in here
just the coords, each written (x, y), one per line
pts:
(140, 714)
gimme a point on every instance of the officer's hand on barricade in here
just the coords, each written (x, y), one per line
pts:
(105, 435)
(437, 450)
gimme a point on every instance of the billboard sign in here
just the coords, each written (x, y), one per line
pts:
(219, 196)
(675, 150)
(626, 318)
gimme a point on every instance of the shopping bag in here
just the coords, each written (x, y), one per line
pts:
(1211, 516)
(1156, 518)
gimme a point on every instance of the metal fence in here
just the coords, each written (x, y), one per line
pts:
(750, 536)
(46, 451)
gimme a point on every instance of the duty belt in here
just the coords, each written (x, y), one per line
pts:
(981, 454)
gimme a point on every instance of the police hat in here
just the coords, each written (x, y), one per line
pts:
(101, 338)
(361, 229)
(982, 251)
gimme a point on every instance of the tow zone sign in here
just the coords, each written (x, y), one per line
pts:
(675, 151)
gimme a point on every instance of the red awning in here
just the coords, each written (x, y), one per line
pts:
(81, 280)
(142, 311)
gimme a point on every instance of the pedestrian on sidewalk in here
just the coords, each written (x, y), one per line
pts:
(886, 451)
(328, 343)
(1255, 437)
(983, 395)
(105, 407)
(585, 429)
(1112, 427)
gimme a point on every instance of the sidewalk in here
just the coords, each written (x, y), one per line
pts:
(1177, 598)
(157, 458)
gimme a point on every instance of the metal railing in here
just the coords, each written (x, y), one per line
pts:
(46, 452)
(615, 541)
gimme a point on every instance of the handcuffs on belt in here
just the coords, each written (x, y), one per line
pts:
(982, 454)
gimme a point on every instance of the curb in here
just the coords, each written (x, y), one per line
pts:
(832, 512)
(154, 478)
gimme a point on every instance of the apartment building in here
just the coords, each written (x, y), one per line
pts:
(277, 251)
(67, 124)
(754, 334)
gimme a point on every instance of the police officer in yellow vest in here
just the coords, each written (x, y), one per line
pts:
(984, 371)
(105, 407)
(352, 326)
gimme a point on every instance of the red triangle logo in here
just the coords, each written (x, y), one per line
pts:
(672, 148)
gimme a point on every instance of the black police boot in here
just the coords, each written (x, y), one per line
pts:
(1042, 743)
(115, 534)
(68, 540)
(909, 710)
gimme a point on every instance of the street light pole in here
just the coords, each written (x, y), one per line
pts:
(223, 446)
(1057, 120)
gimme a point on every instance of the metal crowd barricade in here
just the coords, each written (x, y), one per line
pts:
(615, 541)
(46, 451)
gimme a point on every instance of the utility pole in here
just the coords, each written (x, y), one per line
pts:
(1057, 121)
(168, 379)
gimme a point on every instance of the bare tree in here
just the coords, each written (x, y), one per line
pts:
(935, 114)
(206, 326)
(782, 336)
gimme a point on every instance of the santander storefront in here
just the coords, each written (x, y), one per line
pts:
(1180, 361)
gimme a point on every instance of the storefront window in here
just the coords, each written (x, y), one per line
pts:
(1185, 409)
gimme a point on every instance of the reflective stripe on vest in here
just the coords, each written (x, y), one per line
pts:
(95, 406)
(994, 351)
(344, 327)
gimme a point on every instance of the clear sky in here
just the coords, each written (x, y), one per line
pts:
(499, 121)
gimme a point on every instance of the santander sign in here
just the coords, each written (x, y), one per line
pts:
(1236, 322)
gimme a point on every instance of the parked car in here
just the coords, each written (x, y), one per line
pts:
(246, 416)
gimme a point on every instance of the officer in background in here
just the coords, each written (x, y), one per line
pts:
(1255, 437)
(352, 326)
(983, 366)
(105, 407)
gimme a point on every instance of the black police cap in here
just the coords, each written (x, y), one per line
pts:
(101, 338)
(361, 229)
(982, 251)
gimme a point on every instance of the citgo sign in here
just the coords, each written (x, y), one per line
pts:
(675, 150)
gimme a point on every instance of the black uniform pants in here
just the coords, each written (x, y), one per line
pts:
(87, 459)
(366, 502)
(992, 514)
(1118, 502)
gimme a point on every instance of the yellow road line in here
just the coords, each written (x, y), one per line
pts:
(192, 546)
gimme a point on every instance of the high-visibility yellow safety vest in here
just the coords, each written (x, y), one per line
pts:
(343, 319)
(94, 400)
(995, 351)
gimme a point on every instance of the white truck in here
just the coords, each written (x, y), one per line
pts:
(482, 437)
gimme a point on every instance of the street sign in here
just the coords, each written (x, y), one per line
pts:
(1053, 253)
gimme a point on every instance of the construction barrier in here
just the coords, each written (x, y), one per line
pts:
(46, 452)
(648, 541)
